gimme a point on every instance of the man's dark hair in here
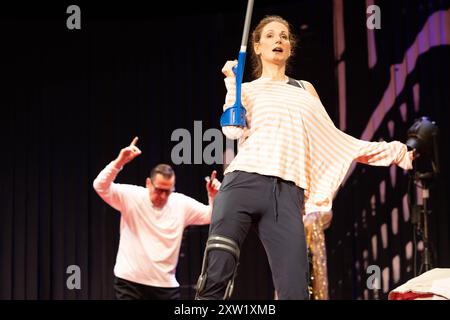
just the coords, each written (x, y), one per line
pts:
(163, 169)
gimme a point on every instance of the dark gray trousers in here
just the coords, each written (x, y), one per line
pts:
(129, 290)
(276, 207)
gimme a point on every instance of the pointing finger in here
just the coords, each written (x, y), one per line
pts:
(135, 140)
(213, 175)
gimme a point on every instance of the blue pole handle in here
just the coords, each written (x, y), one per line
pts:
(235, 115)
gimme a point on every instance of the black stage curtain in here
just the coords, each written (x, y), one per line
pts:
(72, 98)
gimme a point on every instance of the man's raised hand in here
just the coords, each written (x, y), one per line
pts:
(127, 154)
(212, 184)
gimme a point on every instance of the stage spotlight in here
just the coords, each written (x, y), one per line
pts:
(422, 138)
